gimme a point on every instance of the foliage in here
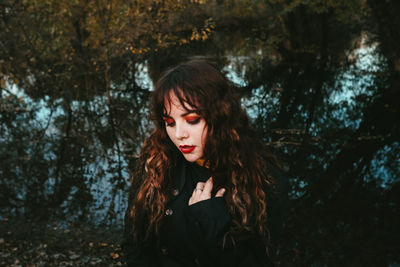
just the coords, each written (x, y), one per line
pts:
(320, 80)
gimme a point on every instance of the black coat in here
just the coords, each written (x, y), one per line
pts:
(192, 235)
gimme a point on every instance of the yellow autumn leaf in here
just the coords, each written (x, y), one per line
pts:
(114, 255)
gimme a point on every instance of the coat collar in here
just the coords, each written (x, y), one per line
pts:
(185, 169)
(179, 179)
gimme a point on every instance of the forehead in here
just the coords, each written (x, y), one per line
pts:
(174, 103)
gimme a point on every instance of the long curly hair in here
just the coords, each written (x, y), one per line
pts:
(235, 156)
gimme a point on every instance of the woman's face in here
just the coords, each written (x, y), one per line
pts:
(186, 129)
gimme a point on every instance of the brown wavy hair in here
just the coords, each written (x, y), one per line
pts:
(235, 156)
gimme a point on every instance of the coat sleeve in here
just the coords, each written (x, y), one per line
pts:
(208, 222)
(136, 253)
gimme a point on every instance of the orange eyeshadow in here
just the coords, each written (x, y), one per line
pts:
(191, 118)
(168, 120)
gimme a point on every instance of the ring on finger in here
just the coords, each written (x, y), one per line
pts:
(200, 189)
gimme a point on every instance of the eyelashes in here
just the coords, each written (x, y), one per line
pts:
(191, 120)
(169, 122)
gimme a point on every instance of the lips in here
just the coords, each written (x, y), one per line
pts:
(186, 149)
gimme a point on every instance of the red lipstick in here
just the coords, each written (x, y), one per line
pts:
(186, 149)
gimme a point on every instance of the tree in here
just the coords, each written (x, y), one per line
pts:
(320, 80)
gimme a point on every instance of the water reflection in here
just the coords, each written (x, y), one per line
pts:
(319, 81)
(104, 166)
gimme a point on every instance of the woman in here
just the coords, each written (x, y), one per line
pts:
(202, 192)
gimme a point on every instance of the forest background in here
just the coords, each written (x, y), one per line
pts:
(319, 79)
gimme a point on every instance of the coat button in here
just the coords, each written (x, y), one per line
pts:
(175, 192)
(168, 212)
(164, 250)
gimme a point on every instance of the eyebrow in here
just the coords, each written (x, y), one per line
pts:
(183, 115)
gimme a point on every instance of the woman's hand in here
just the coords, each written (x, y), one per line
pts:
(203, 191)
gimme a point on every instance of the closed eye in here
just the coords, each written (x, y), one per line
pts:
(169, 122)
(194, 120)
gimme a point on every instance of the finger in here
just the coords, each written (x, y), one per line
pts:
(220, 193)
(191, 201)
(200, 185)
(197, 191)
(208, 187)
(199, 188)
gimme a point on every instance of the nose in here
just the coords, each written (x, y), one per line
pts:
(180, 131)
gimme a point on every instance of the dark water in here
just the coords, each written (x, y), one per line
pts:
(320, 84)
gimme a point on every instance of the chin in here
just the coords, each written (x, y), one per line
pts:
(191, 158)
